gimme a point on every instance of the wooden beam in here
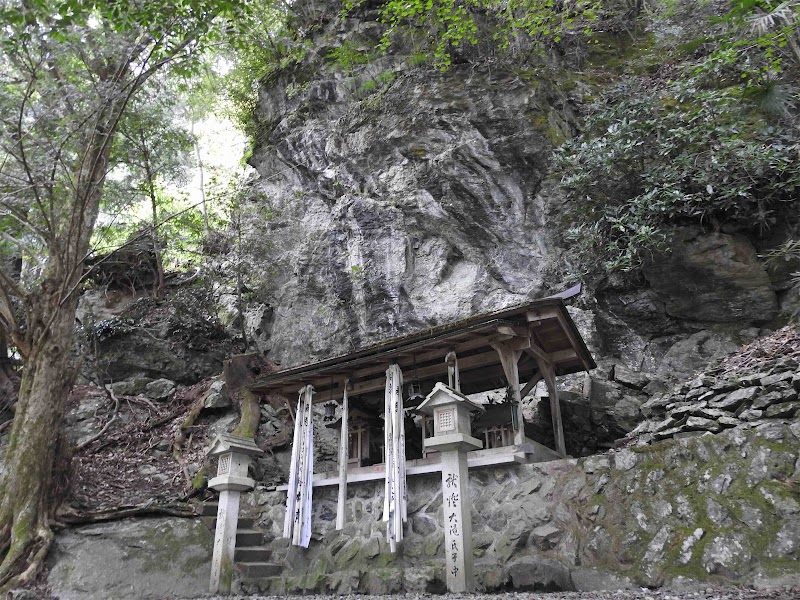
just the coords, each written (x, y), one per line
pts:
(553, 313)
(291, 412)
(464, 364)
(530, 385)
(516, 343)
(538, 353)
(539, 315)
(577, 345)
(555, 357)
(513, 331)
(509, 357)
(555, 406)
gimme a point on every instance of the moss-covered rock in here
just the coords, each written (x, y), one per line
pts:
(132, 559)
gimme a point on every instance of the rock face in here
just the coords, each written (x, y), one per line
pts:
(396, 197)
(719, 279)
(143, 559)
(396, 215)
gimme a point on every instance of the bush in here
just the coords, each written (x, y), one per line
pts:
(653, 157)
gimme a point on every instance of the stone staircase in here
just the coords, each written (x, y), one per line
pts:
(252, 557)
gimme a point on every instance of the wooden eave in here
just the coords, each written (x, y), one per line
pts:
(421, 355)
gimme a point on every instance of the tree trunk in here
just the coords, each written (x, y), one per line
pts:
(201, 173)
(239, 372)
(26, 501)
(151, 192)
(27, 488)
(9, 381)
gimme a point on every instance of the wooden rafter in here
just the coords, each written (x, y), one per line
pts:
(542, 329)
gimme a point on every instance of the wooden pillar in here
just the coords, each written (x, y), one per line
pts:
(509, 357)
(453, 377)
(546, 369)
(343, 458)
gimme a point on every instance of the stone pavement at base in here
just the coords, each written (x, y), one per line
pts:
(784, 593)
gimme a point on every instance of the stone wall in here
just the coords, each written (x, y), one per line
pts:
(722, 508)
(720, 399)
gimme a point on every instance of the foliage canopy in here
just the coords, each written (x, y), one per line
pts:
(715, 146)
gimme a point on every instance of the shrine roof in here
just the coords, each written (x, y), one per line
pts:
(421, 354)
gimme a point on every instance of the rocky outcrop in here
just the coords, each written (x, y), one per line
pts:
(395, 196)
(142, 339)
(147, 559)
(712, 278)
(723, 398)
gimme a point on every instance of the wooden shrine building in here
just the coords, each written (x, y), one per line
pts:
(513, 348)
(405, 411)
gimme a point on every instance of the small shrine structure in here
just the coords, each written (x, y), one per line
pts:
(514, 348)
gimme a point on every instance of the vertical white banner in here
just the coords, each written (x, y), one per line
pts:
(297, 523)
(344, 447)
(394, 505)
(291, 493)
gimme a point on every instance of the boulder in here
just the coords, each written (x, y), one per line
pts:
(131, 386)
(727, 556)
(591, 580)
(784, 409)
(546, 536)
(629, 378)
(217, 396)
(142, 559)
(702, 424)
(787, 541)
(714, 278)
(688, 354)
(625, 460)
(735, 399)
(160, 389)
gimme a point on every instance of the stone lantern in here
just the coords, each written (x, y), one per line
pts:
(452, 437)
(234, 454)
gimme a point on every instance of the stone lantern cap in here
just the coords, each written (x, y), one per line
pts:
(234, 458)
(442, 395)
(227, 442)
(452, 427)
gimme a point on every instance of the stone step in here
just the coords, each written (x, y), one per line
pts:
(248, 538)
(244, 523)
(208, 509)
(259, 570)
(251, 554)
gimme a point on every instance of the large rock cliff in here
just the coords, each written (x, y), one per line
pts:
(402, 197)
